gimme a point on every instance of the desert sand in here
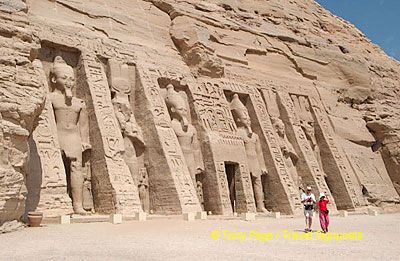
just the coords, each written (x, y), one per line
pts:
(176, 239)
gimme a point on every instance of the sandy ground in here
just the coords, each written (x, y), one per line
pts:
(175, 239)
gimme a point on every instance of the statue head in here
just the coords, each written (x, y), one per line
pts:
(120, 85)
(119, 77)
(308, 127)
(177, 105)
(62, 77)
(279, 126)
(122, 106)
(240, 113)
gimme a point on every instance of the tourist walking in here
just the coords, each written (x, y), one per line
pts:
(323, 212)
(308, 201)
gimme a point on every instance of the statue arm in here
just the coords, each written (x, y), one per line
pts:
(292, 153)
(84, 128)
(121, 120)
(136, 131)
(260, 155)
(197, 152)
(311, 138)
(131, 130)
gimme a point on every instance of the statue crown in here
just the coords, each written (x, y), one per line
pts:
(59, 64)
(173, 98)
(236, 104)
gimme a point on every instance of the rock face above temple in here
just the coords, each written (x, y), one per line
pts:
(177, 106)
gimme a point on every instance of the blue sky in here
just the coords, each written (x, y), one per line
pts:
(378, 19)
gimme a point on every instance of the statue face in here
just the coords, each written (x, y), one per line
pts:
(180, 111)
(310, 129)
(64, 80)
(124, 109)
(244, 118)
(280, 127)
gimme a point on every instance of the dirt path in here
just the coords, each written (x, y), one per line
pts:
(166, 239)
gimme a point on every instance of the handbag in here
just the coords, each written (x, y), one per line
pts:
(308, 207)
(326, 211)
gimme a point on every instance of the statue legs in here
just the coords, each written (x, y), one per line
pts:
(258, 193)
(77, 181)
(144, 198)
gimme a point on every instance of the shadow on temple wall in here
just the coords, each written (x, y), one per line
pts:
(33, 178)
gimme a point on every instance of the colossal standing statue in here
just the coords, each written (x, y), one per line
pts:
(133, 146)
(255, 158)
(186, 134)
(288, 151)
(72, 127)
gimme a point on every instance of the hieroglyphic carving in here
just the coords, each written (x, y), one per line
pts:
(149, 79)
(246, 183)
(229, 139)
(112, 173)
(310, 166)
(172, 152)
(291, 192)
(48, 149)
(212, 107)
(353, 199)
(178, 166)
(223, 185)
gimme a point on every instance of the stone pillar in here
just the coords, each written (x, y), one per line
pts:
(171, 187)
(308, 167)
(113, 186)
(336, 166)
(281, 192)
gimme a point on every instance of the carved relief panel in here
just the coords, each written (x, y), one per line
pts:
(171, 165)
(122, 83)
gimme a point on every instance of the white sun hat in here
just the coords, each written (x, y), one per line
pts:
(322, 194)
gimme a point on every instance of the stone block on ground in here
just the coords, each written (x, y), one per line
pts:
(248, 216)
(201, 215)
(276, 215)
(116, 218)
(65, 219)
(372, 212)
(189, 216)
(343, 213)
(140, 216)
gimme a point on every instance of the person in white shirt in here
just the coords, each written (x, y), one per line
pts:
(308, 200)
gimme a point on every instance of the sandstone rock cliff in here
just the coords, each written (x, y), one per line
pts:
(22, 98)
(290, 61)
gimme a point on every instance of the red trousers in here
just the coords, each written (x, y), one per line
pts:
(324, 220)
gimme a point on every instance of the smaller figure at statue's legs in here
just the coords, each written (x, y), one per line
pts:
(77, 180)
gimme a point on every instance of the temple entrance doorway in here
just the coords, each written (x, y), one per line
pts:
(231, 169)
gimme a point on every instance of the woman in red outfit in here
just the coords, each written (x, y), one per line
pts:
(323, 212)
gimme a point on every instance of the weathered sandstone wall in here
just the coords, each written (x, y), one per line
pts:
(183, 96)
